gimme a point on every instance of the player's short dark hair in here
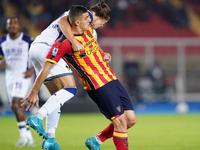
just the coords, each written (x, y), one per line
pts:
(75, 12)
(101, 10)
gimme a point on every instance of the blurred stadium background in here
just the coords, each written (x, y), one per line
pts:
(155, 48)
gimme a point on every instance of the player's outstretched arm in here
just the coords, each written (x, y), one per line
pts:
(32, 98)
(66, 30)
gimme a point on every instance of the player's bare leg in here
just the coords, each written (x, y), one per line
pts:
(18, 109)
(121, 123)
(107, 133)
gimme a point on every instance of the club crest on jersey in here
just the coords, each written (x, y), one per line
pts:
(55, 50)
(119, 108)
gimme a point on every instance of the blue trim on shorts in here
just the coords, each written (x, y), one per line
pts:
(57, 76)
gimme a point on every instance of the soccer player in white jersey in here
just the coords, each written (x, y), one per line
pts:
(60, 76)
(14, 57)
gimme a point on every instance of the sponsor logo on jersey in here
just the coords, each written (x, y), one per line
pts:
(89, 43)
(88, 34)
(54, 26)
(90, 51)
(55, 50)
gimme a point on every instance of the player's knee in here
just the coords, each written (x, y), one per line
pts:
(131, 122)
(65, 94)
(120, 123)
(15, 104)
(130, 117)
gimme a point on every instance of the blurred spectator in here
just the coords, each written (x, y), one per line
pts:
(140, 12)
(39, 15)
(122, 12)
(17, 6)
(175, 13)
(119, 12)
(142, 9)
(156, 74)
(131, 70)
(58, 7)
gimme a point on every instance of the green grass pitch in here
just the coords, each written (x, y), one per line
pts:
(152, 132)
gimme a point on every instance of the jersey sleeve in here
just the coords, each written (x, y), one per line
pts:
(58, 50)
(1, 51)
(28, 39)
(64, 14)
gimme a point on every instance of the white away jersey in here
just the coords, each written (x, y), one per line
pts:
(52, 32)
(15, 53)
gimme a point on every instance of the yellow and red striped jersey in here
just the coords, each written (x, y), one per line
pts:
(89, 63)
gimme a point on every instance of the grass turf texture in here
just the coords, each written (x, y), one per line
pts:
(152, 132)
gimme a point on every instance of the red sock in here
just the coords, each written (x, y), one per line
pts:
(106, 133)
(120, 140)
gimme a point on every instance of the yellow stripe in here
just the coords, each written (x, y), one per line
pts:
(52, 61)
(80, 38)
(120, 134)
(69, 87)
(99, 68)
(90, 30)
(112, 118)
(106, 76)
(87, 68)
(92, 58)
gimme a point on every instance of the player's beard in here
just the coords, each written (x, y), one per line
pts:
(13, 34)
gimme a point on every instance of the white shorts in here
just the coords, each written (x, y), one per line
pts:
(17, 86)
(38, 53)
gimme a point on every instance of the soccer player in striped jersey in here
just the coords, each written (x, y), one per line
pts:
(14, 57)
(59, 76)
(98, 79)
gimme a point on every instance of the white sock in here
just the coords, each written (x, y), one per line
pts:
(42, 112)
(98, 139)
(22, 128)
(54, 102)
(28, 133)
(52, 122)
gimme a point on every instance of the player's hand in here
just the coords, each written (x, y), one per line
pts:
(107, 57)
(28, 74)
(3, 63)
(31, 100)
(76, 46)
